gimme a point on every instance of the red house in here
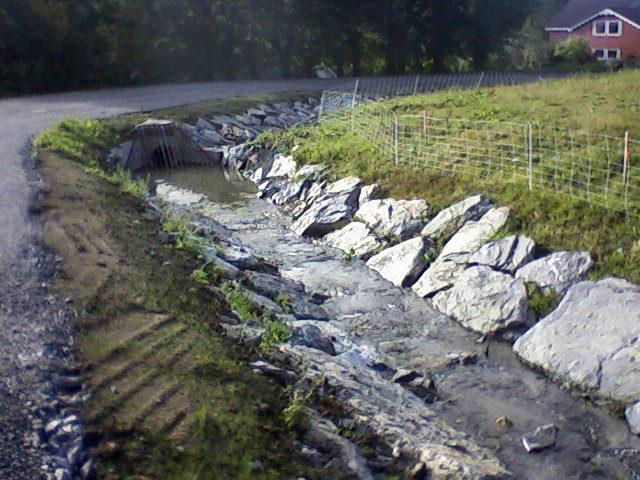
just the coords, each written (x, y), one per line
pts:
(611, 27)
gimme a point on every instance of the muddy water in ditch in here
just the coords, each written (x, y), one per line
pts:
(217, 184)
(591, 442)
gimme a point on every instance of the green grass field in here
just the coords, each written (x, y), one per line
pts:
(594, 104)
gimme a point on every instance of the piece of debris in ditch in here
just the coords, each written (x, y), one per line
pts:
(418, 472)
(504, 422)
(273, 371)
(541, 438)
(421, 386)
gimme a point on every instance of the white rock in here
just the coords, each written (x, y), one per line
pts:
(389, 217)
(485, 301)
(401, 264)
(449, 220)
(507, 254)
(632, 415)
(328, 212)
(444, 271)
(282, 167)
(309, 172)
(591, 341)
(347, 184)
(557, 271)
(368, 193)
(356, 238)
(541, 438)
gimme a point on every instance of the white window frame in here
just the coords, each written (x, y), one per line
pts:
(605, 53)
(606, 28)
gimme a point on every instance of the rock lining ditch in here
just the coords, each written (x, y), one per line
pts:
(377, 331)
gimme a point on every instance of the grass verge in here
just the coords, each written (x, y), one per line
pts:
(120, 276)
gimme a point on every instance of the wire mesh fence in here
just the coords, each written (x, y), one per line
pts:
(601, 169)
(393, 86)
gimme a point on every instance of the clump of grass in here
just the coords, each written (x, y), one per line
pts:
(200, 276)
(185, 239)
(349, 255)
(284, 301)
(276, 332)
(541, 303)
(293, 414)
(240, 303)
(85, 141)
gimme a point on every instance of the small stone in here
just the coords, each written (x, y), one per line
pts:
(504, 422)
(52, 425)
(113, 389)
(418, 472)
(405, 375)
(87, 472)
(541, 438)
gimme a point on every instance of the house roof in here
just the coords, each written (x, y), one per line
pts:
(577, 12)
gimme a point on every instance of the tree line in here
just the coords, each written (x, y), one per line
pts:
(67, 44)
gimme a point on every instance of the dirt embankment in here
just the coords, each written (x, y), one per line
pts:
(169, 399)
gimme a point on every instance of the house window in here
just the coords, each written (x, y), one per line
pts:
(614, 28)
(607, 28)
(607, 53)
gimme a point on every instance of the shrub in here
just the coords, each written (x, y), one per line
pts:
(574, 49)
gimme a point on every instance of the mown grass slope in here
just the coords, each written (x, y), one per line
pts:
(602, 104)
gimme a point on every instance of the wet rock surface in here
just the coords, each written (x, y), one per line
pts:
(378, 329)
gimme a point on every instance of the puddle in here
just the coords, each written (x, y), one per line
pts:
(217, 184)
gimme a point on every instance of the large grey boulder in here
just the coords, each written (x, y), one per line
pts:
(355, 239)
(398, 218)
(485, 300)
(455, 255)
(558, 271)
(507, 254)
(402, 264)
(282, 167)
(331, 210)
(452, 218)
(591, 341)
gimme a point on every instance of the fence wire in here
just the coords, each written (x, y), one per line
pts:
(603, 170)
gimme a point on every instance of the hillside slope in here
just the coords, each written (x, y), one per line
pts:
(604, 104)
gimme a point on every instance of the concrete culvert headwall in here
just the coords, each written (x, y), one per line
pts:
(161, 144)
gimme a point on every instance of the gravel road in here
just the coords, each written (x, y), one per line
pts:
(34, 336)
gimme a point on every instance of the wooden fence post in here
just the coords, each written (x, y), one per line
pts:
(395, 139)
(530, 154)
(625, 164)
(425, 131)
(353, 101)
(626, 171)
